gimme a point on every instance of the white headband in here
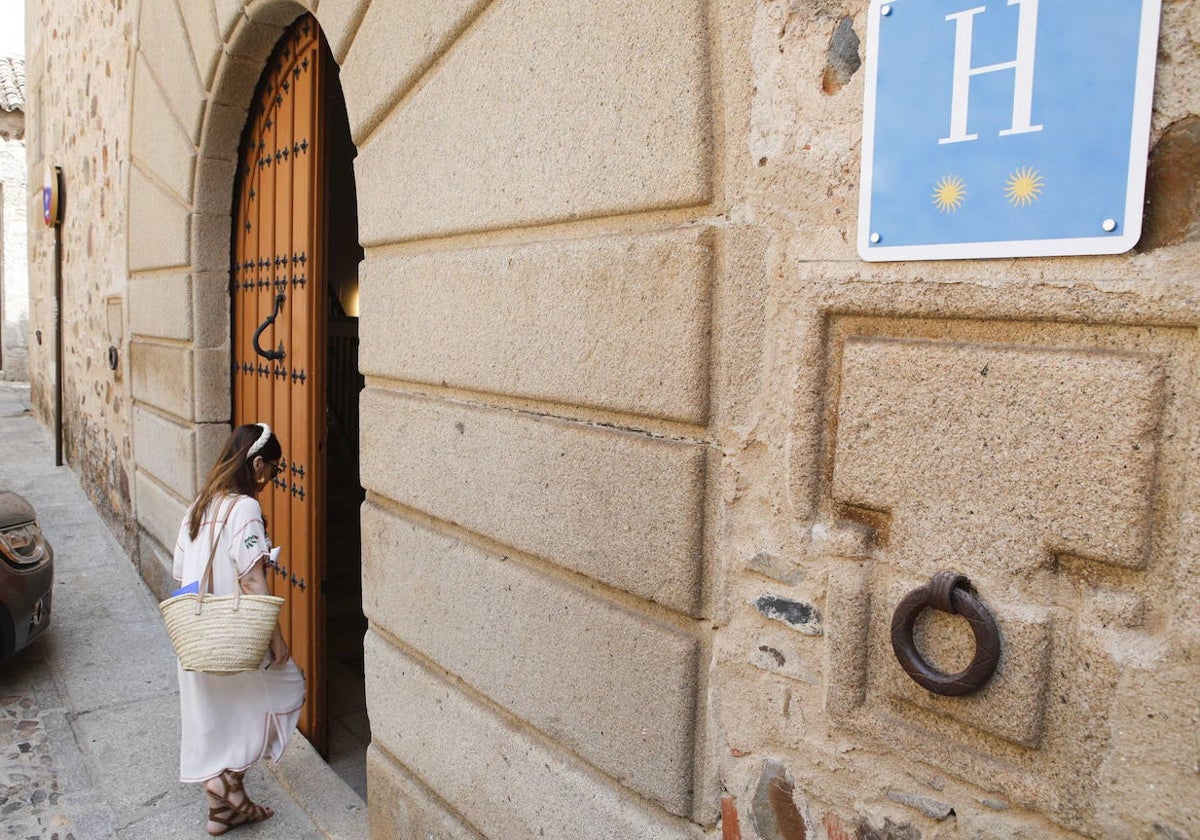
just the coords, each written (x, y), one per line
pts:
(261, 442)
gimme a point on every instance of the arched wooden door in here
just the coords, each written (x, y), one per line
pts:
(278, 323)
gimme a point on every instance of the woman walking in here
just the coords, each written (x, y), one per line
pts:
(231, 721)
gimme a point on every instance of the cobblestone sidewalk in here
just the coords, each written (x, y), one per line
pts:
(47, 791)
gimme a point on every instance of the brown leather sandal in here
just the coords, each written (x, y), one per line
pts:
(228, 814)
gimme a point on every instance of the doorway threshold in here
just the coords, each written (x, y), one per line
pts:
(333, 806)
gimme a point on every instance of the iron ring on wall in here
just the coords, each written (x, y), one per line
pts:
(948, 592)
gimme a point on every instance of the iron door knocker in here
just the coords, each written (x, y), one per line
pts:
(948, 592)
(270, 354)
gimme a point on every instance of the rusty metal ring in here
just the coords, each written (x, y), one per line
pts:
(948, 592)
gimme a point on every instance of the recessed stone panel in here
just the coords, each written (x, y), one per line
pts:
(162, 35)
(158, 225)
(1040, 459)
(201, 21)
(160, 305)
(546, 111)
(505, 781)
(619, 322)
(623, 508)
(159, 510)
(617, 688)
(159, 142)
(1006, 455)
(162, 376)
(167, 450)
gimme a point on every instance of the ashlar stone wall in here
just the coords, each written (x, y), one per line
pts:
(1028, 423)
(651, 455)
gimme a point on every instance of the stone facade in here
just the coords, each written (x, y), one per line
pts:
(14, 262)
(78, 78)
(650, 454)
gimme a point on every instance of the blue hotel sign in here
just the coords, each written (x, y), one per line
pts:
(1005, 128)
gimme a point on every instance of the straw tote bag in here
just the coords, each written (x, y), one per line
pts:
(220, 634)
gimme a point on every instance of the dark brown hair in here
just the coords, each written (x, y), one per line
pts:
(234, 470)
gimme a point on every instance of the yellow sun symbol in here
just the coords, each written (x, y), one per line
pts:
(949, 194)
(1023, 187)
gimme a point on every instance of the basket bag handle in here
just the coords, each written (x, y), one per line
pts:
(206, 576)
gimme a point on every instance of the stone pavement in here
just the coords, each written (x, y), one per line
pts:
(89, 713)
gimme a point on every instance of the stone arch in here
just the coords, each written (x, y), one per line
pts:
(194, 74)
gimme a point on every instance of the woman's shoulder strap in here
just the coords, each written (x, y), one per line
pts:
(246, 506)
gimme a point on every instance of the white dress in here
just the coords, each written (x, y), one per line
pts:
(231, 721)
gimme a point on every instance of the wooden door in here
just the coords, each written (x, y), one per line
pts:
(278, 318)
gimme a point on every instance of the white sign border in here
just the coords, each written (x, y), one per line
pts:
(1135, 189)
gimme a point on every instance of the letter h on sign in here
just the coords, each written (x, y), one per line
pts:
(1022, 65)
(1048, 114)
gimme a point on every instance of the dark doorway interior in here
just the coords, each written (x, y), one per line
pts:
(348, 729)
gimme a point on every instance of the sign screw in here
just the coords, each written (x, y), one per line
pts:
(1109, 225)
(885, 10)
(875, 237)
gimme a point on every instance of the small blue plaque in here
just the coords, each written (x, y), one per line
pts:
(1005, 128)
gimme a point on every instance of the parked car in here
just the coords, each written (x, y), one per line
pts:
(26, 575)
